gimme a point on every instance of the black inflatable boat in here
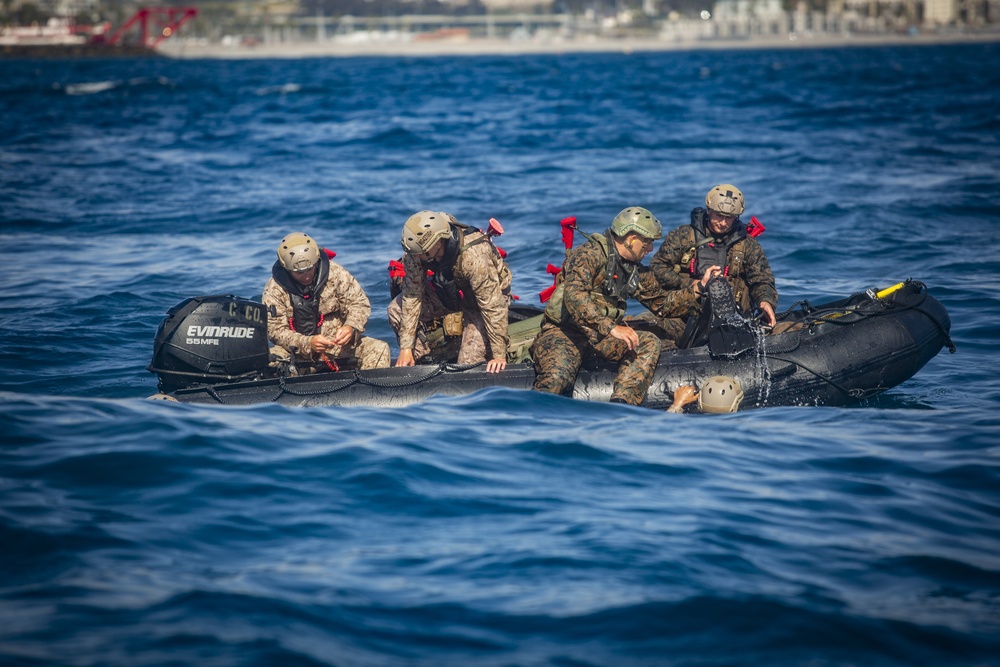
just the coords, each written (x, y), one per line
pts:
(213, 349)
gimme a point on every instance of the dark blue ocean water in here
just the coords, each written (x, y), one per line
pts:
(501, 528)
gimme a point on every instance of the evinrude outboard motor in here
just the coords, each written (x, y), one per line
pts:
(210, 340)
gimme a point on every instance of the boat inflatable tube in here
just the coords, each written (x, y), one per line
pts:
(213, 349)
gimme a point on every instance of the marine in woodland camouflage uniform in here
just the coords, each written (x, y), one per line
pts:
(319, 311)
(716, 237)
(469, 277)
(591, 316)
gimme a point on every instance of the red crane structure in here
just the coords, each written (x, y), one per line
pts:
(155, 24)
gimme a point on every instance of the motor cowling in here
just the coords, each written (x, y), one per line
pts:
(210, 340)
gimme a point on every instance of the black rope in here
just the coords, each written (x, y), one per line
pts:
(211, 392)
(357, 379)
(458, 368)
(865, 393)
(442, 368)
(806, 308)
(853, 393)
(947, 336)
(325, 392)
(887, 310)
(399, 385)
(281, 389)
(771, 346)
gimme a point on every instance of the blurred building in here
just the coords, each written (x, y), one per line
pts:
(670, 20)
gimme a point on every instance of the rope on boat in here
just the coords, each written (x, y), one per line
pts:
(811, 318)
(283, 388)
(286, 390)
(400, 384)
(853, 393)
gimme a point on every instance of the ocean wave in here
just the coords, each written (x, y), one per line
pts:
(503, 527)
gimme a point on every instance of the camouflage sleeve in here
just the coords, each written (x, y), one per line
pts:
(678, 242)
(582, 274)
(279, 311)
(344, 295)
(758, 274)
(477, 266)
(413, 292)
(664, 302)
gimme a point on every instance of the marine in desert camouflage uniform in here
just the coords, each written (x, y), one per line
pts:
(598, 278)
(469, 277)
(717, 237)
(316, 308)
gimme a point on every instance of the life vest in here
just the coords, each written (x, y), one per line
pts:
(443, 279)
(727, 253)
(707, 250)
(620, 283)
(306, 318)
(621, 278)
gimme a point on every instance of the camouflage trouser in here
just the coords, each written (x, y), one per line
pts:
(668, 329)
(474, 347)
(672, 330)
(367, 353)
(559, 353)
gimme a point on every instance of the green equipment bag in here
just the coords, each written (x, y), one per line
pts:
(522, 335)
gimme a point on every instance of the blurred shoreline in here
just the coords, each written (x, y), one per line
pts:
(191, 49)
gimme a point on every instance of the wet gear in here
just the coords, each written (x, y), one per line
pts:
(719, 324)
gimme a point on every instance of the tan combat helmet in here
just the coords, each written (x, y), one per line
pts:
(720, 394)
(639, 220)
(298, 252)
(725, 199)
(422, 230)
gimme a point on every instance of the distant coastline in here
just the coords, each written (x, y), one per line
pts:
(73, 51)
(194, 49)
(483, 47)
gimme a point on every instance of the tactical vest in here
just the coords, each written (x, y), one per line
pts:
(620, 283)
(306, 318)
(706, 251)
(443, 281)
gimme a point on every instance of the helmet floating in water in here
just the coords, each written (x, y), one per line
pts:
(422, 230)
(298, 252)
(720, 394)
(638, 220)
(725, 199)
